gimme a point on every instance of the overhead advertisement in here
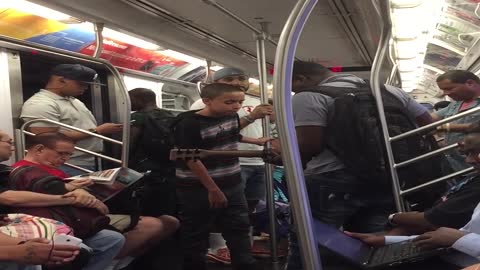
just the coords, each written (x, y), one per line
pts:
(76, 37)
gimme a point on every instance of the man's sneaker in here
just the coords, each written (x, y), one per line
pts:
(221, 255)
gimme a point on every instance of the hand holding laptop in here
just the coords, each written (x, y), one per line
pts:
(442, 237)
(368, 238)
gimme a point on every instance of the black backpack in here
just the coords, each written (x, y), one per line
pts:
(154, 145)
(354, 135)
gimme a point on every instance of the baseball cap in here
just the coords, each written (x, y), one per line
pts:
(226, 72)
(75, 72)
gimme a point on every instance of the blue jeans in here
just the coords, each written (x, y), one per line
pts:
(73, 172)
(253, 179)
(342, 200)
(14, 266)
(104, 246)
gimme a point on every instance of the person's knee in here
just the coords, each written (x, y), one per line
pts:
(162, 226)
(107, 240)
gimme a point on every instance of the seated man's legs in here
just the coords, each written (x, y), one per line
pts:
(105, 246)
(146, 233)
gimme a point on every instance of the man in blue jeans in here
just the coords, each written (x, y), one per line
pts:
(336, 196)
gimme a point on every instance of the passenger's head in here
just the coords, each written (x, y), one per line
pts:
(232, 76)
(6, 146)
(50, 148)
(70, 79)
(308, 74)
(142, 98)
(459, 85)
(222, 99)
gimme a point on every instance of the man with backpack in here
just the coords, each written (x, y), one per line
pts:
(150, 144)
(342, 193)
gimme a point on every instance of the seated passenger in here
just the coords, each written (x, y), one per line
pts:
(105, 244)
(465, 240)
(49, 151)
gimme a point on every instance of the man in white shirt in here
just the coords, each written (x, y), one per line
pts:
(57, 102)
(466, 240)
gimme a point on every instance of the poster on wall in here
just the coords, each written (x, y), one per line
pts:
(78, 38)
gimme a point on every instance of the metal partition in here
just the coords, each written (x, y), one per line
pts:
(21, 45)
(384, 14)
(282, 82)
(24, 132)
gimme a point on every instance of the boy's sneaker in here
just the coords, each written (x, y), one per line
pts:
(221, 255)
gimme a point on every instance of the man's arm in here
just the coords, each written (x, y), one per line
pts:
(413, 222)
(16, 198)
(424, 119)
(135, 133)
(258, 113)
(310, 141)
(215, 196)
(103, 129)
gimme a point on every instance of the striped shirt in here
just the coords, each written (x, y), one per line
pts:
(196, 131)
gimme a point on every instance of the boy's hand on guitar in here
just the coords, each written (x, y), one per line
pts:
(217, 199)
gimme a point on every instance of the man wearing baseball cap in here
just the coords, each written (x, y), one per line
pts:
(57, 102)
(252, 169)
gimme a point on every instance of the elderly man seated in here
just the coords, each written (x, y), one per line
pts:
(105, 245)
(48, 151)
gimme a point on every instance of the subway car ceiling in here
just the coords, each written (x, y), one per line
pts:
(338, 34)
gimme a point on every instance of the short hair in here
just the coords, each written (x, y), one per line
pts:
(309, 68)
(214, 90)
(49, 139)
(143, 93)
(458, 76)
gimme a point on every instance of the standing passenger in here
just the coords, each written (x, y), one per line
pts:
(464, 88)
(210, 191)
(57, 102)
(336, 195)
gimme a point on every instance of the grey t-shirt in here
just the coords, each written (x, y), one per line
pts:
(312, 109)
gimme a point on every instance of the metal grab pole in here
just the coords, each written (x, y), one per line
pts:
(384, 14)
(98, 27)
(300, 205)
(270, 200)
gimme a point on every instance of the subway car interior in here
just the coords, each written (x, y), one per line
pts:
(333, 96)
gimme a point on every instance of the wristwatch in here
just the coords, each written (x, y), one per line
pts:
(93, 130)
(390, 220)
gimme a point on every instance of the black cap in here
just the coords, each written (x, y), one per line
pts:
(227, 72)
(75, 72)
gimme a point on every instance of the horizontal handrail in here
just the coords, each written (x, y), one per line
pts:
(433, 125)
(424, 156)
(28, 123)
(443, 178)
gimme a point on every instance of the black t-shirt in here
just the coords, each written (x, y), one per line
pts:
(456, 208)
(195, 131)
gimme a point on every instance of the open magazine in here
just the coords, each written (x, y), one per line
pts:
(105, 177)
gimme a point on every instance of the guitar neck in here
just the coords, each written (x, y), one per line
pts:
(233, 153)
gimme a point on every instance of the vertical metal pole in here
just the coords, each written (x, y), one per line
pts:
(384, 14)
(299, 202)
(270, 200)
(98, 27)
